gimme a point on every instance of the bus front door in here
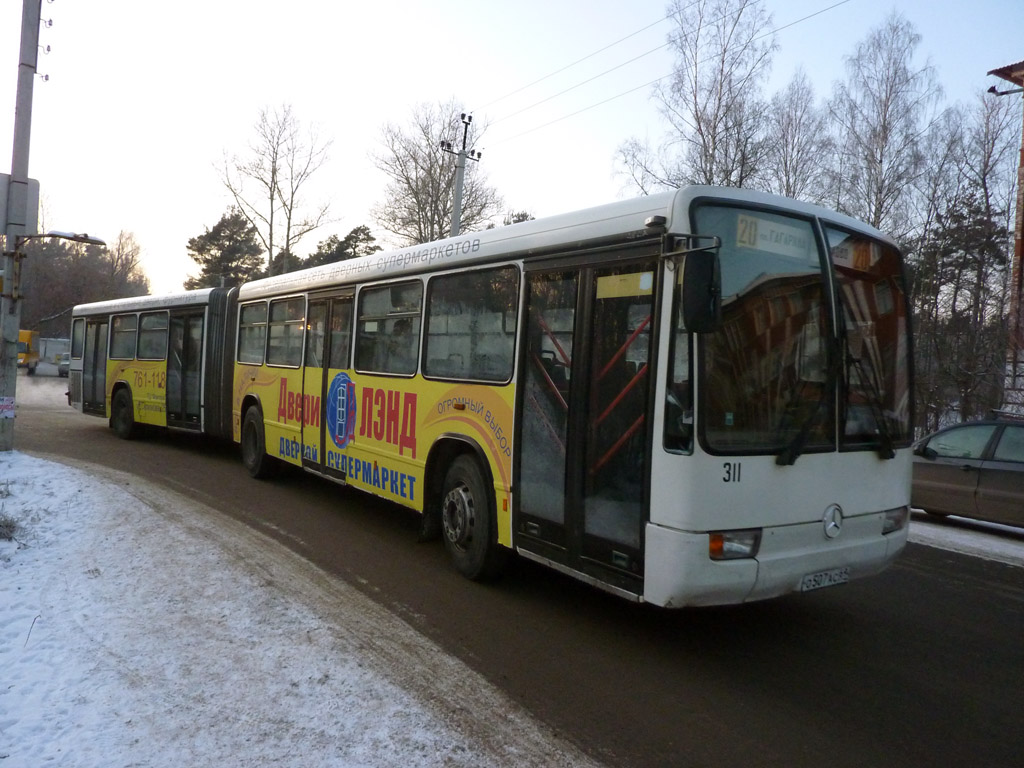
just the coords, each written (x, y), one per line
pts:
(585, 393)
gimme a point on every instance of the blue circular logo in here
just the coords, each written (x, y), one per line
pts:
(341, 410)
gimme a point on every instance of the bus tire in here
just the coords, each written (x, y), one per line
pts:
(468, 522)
(254, 446)
(122, 415)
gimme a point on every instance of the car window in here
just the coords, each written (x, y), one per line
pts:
(964, 442)
(1011, 445)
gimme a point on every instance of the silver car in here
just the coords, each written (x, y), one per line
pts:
(64, 364)
(973, 470)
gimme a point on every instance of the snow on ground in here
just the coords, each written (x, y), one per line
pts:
(138, 630)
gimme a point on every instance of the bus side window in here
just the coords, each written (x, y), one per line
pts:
(679, 396)
(315, 328)
(341, 333)
(471, 323)
(122, 337)
(389, 328)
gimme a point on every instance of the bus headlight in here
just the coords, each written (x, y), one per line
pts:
(734, 545)
(894, 519)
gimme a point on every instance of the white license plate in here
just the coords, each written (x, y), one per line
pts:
(824, 579)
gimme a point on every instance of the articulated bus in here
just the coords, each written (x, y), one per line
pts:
(698, 397)
(155, 360)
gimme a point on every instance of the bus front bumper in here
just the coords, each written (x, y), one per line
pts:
(793, 558)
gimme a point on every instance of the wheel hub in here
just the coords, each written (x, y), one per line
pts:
(457, 516)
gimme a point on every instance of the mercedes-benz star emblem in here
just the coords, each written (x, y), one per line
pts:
(833, 521)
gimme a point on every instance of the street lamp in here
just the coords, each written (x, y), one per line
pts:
(10, 322)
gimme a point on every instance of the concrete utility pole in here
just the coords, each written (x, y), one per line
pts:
(19, 214)
(1013, 392)
(460, 171)
(16, 220)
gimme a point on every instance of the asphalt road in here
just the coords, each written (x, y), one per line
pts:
(920, 666)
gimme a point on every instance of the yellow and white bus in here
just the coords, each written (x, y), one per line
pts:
(155, 360)
(698, 397)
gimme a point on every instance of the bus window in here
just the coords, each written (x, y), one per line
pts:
(122, 337)
(153, 336)
(471, 322)
(315, 328)
(679, 393)
(77, 338)
(389, 328)
(252, 333)
(341, 332)
(287, 318)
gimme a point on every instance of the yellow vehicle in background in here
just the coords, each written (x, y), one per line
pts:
(28, 350)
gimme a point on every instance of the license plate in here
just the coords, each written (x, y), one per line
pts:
(824, 579)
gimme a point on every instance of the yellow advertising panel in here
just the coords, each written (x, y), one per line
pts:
(378, 430)
(147, 380)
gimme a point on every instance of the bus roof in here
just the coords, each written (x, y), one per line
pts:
(624, 220)
(136, 303)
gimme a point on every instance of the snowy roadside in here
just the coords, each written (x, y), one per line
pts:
(990, 541)
(135, 630)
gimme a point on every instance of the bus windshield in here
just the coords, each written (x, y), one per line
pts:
(776, 371)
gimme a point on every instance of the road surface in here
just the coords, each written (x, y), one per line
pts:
(920, 666)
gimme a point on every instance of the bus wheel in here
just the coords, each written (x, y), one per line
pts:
(122, 415)
(254, 446)
(470, 530)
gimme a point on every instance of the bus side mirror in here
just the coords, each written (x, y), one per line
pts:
(702, 291)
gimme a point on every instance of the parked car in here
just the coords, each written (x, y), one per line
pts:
(974, 470)
(64, 364)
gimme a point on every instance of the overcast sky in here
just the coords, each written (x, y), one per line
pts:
(144, 99)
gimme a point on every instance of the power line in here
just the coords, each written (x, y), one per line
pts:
(618, 66)
(578, 61)
(648, 84)
(578, 85)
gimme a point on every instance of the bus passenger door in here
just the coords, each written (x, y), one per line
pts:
(585, 385)
(184, 369)
(94, 368)
(327, 427)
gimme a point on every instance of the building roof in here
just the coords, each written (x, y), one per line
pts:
(1012, 72)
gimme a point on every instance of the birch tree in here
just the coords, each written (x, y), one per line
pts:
(267, 184)
(712, 101)
(798, 143)
(880, 113)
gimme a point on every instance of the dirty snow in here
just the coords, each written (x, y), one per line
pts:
(137, 629)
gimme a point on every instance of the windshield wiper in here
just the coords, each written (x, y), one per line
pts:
(788, 455)
(886, 449)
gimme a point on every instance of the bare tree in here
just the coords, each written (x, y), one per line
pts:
(123, 260)
(880, 113)
(267, 184)
(961, 263)
(59, 274)
(420, 193)
(798, 143)
(712, 100)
